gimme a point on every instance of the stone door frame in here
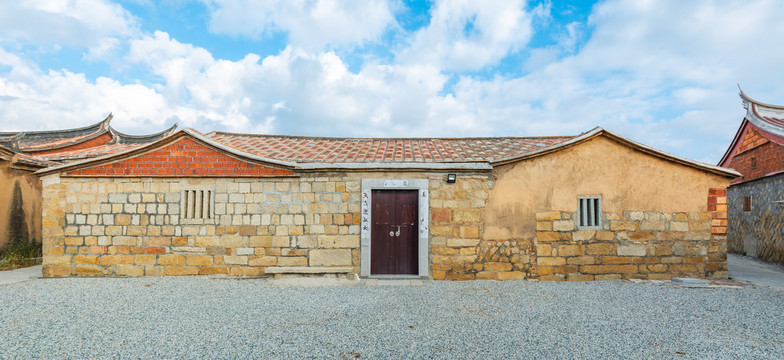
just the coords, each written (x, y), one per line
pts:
(366, 200)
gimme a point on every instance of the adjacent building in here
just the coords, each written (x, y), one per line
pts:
(23, 153)
(587, 207)
(756, 199)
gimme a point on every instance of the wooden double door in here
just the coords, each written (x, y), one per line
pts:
(394, 238)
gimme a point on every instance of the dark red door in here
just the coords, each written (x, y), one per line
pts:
(394, 240)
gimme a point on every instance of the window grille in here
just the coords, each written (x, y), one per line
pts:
(197, 204)
(753, 163)
(746, 203)
(589, 212)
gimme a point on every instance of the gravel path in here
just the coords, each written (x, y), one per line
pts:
(198, 317)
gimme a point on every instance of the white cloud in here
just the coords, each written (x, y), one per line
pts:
(311, 24)
(664, 80)
(81, 23)
(32, 99)
(469, 35)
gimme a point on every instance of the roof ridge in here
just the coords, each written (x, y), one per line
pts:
(216, 133)
(121, 138)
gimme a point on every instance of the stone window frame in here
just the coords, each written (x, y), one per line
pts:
(421, 185)
(210, 220)
(597, 211)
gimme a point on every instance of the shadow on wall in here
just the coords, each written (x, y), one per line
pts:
(18, 233)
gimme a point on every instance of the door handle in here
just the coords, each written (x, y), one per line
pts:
(393, 233)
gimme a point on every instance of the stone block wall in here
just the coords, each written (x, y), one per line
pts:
(133, 227)
(760, 231)
(634, 244)
(457, 249)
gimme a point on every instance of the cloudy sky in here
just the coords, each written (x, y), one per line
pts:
(664, 73)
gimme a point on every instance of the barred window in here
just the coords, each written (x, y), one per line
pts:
(197, 204)
(746, 203)
(589, 211)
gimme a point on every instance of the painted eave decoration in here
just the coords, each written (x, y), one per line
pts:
(598, 131)
(186, 153)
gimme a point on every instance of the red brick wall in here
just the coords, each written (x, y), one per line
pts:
(185, 157)
(100, 140)
(751, 139)
(768, 156)
(717, 205)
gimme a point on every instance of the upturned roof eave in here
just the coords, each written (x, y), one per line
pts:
(77, 136)
(753, 116)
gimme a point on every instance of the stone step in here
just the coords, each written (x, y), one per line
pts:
(309, 270)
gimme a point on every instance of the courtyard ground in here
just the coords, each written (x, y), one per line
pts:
(200, 317)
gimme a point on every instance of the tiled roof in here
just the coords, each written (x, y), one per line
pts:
(91, 152)
(34, 161)
(364, 150)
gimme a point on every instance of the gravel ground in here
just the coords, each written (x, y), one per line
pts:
(198, 317)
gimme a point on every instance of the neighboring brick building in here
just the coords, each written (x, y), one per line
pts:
(588, 207)
(756, 199)
(22, 153)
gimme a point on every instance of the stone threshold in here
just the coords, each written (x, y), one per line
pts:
(309, 270)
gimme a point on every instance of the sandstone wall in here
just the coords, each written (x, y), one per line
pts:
(457, 249)
(121, 226)
(633, 244)
(133, 226)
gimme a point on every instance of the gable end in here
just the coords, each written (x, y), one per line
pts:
(185, 157)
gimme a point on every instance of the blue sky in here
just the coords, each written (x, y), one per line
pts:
(664, 73)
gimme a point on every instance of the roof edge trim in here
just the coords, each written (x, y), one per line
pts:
(733, 142)
(597, 131)
(552, 148)
(397, 166)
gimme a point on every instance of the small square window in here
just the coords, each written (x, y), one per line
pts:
(589, 211)
(197, 206)
(746, 203)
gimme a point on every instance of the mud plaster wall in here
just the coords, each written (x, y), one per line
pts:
(30, 187)
(628, 180)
